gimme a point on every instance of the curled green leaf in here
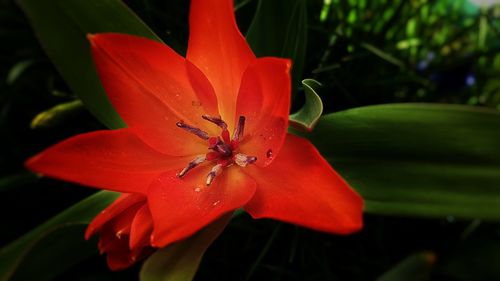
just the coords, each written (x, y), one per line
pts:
(307, 117)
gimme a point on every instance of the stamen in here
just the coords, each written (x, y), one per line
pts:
(216, 170)
(216, 120)
(197, 161)
(223, 149)
(200, 133)
(238, 132)
(243, 160)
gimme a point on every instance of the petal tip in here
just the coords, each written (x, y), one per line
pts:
(154, 242)
(288, 64)
(355, 227)
(352, 223)
(89, 232)
(91, 37)
(31, 163)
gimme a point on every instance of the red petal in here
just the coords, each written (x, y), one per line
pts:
(121, 204)
(264, 100)
(114, 160)
(300, 187)
(181, 207)
(152, 88)
(217, 47)
(121, 224)
(141, 229)
(120, 257)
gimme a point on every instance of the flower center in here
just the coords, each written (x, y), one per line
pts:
(223, 149)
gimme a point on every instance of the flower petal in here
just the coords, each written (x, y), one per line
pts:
(118, 255)
(181, 207)
(141, 228)
(152, 88)
(116, 208)
(300, 187)
(264, 100)
(217, 47)
(113, 160)
(121, 225)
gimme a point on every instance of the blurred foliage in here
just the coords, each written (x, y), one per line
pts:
(363, 52)
(407, 50)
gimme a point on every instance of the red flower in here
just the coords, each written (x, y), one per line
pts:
(207, 134)
(125, 227)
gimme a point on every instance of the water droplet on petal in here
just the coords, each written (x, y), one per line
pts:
(269, 154)
(196, 103)
(216, 203)
(197, 189)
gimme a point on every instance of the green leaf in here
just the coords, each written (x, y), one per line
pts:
(56, 114)
(279, 28)
(307, 117)
(17, 70)
(475, 258)
(59, 241)
(414, 268)
(417, 159)
(383, 55)
(180, 261)
(20, 179)
(62, 26)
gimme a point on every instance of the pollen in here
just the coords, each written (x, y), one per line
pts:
(222, 149)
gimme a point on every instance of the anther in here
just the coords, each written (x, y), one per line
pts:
(197, 161)
(222, 149)
(216, 120)
(200, 133)
(238, 132)
(243, 160)
(216, 170)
